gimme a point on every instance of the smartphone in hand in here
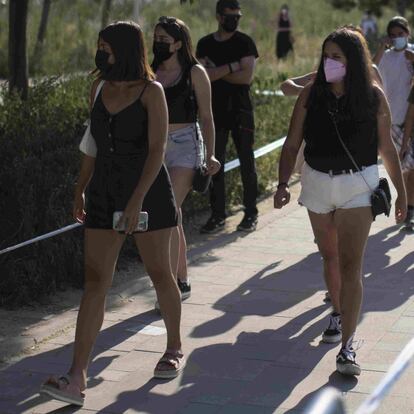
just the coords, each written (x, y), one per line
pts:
(141, 226)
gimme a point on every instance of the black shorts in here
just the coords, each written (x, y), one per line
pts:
(112, 185)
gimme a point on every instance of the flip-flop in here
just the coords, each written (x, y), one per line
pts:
(173, 359)
(61, 389)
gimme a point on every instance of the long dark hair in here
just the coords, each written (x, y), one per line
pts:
(361, 100)
(128, 46)
(179, 31)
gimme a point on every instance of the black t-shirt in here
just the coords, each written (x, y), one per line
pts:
(324, 151)
(228, 98)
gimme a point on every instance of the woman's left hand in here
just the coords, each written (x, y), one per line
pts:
(213, 165)
(400, 209)
(131, 216)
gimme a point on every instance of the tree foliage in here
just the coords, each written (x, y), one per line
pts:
(376, 6)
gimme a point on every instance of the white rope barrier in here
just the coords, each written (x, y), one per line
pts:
(266, 92)
(228, 166)
(40, 238)
(231, 165)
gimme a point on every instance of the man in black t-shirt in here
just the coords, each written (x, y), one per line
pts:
(229, 57)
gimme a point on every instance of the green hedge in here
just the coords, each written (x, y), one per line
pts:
(39, 162)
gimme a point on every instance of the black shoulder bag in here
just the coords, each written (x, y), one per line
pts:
(202, 179)
(381, 196)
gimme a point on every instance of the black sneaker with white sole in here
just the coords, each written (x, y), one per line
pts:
(248, 224)
(346, 363)
(213, 225)
(333, 333)
(185, 288)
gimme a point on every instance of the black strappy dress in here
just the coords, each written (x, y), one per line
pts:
(122, 143)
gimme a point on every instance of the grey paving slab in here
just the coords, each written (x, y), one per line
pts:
(245, 409)
(194, 408)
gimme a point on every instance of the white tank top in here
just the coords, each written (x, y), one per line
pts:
(397, 73)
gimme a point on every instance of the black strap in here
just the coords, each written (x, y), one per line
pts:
(143, 90)
(348, 153)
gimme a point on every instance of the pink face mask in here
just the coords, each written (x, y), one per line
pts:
(334, 71)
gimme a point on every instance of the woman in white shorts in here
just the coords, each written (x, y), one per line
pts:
(188, 93)
(333, 190)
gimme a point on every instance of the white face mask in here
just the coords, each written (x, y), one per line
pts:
(400, 42)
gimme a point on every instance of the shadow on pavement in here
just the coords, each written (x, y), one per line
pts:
(261, 369)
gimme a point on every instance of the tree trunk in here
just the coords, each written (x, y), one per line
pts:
(41, 34)
(106, 9)
(18, 76)
(136, 10)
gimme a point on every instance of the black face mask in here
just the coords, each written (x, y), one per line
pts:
(161, 51)
(101, 61)
(230, 24)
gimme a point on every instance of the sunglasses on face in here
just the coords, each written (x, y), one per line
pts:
(169, 20)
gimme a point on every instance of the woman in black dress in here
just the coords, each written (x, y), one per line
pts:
(129, 122)
(284, 42)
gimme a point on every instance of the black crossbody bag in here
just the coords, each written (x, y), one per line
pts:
(381, 196)
(202, 179)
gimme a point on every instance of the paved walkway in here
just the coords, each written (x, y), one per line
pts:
(251, 329)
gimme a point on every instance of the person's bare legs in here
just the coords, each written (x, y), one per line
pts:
(325, 232)
(154, 249)
(353, 227)
(101, 253)
(181, 180)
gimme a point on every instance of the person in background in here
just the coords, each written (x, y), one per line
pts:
(369, 28)
(335, 193)
(188, 93)
(284, 38)
(129, 123)
(395, 59)
(229, 57)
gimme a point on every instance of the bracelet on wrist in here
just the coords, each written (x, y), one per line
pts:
(282, 185)
(230, 67)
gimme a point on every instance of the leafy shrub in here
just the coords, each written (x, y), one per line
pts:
(38, 165)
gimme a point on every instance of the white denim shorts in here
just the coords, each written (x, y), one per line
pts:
(183, 148)
(322, 193)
